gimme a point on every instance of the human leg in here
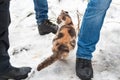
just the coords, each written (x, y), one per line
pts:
(44, 25)
(4, 42)
(89, 35)
(6, 70)
(91, 26)
(41, 10)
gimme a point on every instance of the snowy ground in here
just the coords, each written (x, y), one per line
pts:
(28, 48)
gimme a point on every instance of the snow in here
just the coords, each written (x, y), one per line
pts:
(28, 48)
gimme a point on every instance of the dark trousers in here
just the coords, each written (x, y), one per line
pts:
(4, 40)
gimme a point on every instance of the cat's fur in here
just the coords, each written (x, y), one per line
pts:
(64, 41)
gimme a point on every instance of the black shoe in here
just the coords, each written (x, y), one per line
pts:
(84, 69)
(15, 73)
(46, 27)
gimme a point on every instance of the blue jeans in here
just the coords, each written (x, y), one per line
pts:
(90, 29)
(41, 9)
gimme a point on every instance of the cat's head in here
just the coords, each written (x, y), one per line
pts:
(64, 18)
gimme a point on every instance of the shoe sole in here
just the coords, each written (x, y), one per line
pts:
(23, 77)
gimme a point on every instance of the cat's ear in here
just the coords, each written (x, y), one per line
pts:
(62, 11)
(66, 12)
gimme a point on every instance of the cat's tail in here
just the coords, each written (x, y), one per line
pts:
(48, 61)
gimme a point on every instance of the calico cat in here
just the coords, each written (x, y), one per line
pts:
(64, 41)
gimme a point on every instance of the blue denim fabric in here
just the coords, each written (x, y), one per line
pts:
(41, 9)
(90, 29)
